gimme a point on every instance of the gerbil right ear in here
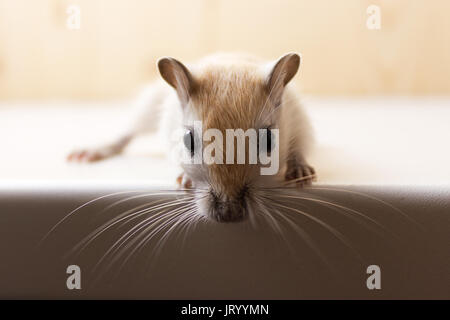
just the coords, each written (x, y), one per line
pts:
(178, 76)
(281, 73)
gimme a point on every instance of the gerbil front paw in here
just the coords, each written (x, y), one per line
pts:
(300, 173)
(91, 155)
(184, 181)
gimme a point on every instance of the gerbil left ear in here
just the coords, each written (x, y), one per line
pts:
(178, 76)
(280, 75)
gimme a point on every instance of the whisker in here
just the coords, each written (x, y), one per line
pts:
(173, 216)
(356, 212)
(78, 208)
(163, 239)
(268, 217)
(126, 216)
(189, 226)
(307, 238)
(128, 235)
(373, 198)
(325, 225)
(311, 176)
(135, 197)
(143, 224)
(160, 216)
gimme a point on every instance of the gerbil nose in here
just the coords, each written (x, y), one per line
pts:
(229, 213)
(229, 210)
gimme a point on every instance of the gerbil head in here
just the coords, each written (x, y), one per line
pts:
(233, 95)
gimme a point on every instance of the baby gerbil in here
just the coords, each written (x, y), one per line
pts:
(225, 91)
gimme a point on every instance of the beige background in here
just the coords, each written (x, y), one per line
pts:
(119, 41)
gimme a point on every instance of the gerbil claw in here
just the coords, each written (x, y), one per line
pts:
(300, 173)
(86, 156)
(94, 154)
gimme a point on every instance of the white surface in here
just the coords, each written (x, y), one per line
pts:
(360, 141)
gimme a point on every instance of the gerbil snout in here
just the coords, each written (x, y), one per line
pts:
(225, 209)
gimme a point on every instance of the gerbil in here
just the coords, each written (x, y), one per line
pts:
(225, 91)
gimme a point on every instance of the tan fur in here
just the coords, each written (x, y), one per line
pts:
(231, 91)
(229, 97)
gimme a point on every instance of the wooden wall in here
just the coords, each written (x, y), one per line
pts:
(119, 41)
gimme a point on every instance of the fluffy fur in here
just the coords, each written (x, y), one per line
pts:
(225, 91)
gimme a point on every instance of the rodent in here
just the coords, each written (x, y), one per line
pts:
(225, 91)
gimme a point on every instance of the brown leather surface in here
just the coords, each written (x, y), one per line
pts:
(405, 231)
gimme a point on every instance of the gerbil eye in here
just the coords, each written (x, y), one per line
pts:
(266, 140)
(188, 140)
(269, 140)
